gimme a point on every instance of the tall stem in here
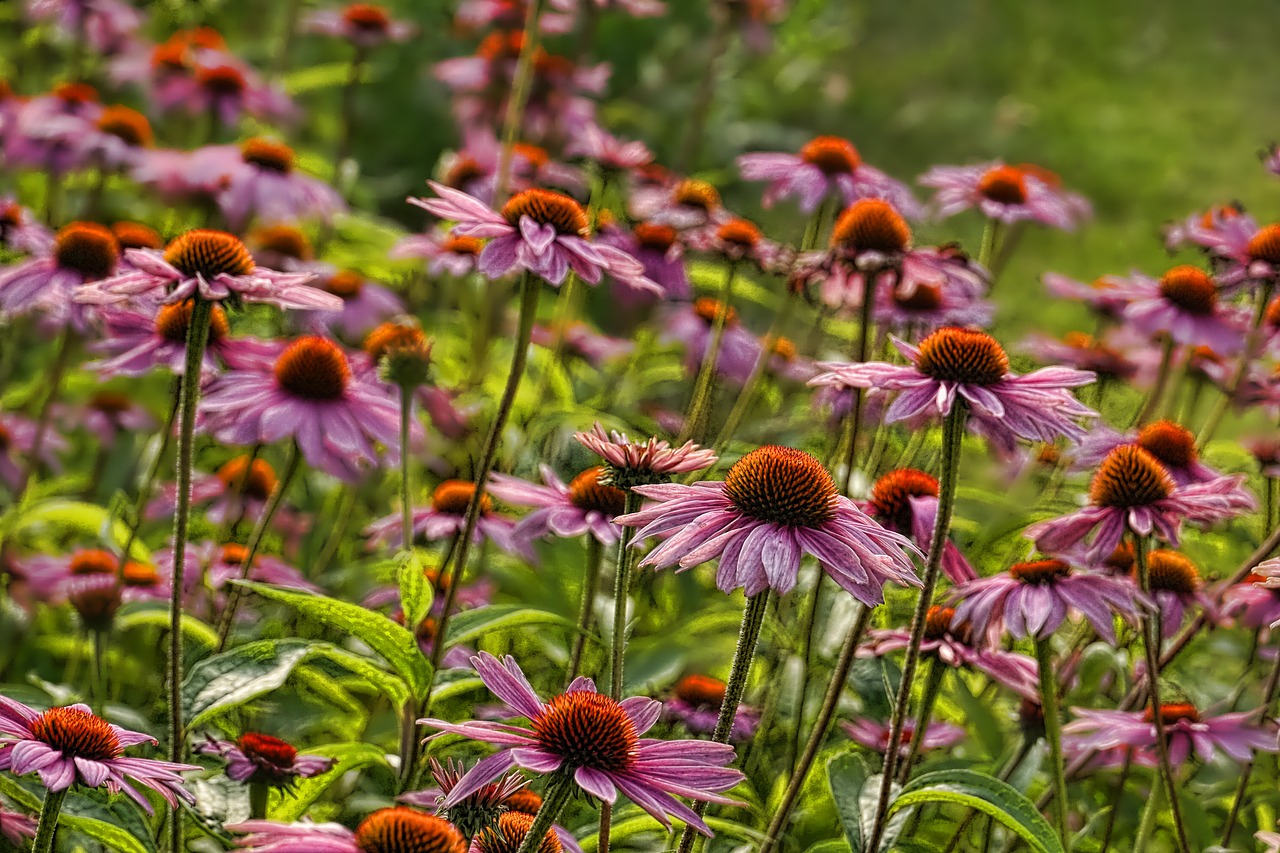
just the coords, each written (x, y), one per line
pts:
(255, 540)
(590, 579)
(554, 799)
(697, 126)
(99, 638)
(347, 133)
(747, 396)
(806, 664)
(406, 491)
(932, 687)
(518, 98)
(48, 825)
(987, 250)
(1264, 710)
(1053, 732)
(853, 424)
(748, 635)
(621, 587)
(953, 433)
(1219, 410)
(818, 734)
(197, 339)
(1151, 646)
(1115, 801)
(1162, 381)
(695, 422)
(53, 383)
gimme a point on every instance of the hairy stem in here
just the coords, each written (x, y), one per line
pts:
(1053, 732)
(590, 579)
(695, 422)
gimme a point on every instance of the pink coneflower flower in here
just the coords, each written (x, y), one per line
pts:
(226, 89)
(1200, 229)
(659, 248)
(17, 440)
(690, 203)
(119, 139)
(872, 243)
(1176, 588)
(308, 394)
(653, 461)
(16, 827)
(82, 254)
(1183, 304)
(1255, 601)
(538, 230)
(224, 563)
(596, 144)
(906, 501)
(691, 324)
(1133, 491)
(1106, 296)
(20, 231)
(48, 578)
(135, 344)
(106, 415)
(825, 166)
(365, 25)
(952, 645)
(929, 306)
(1085, 352)
(582, 506)
(280, 246)
(582, 341)
(258, 759)
(695, 702)
(446, 516)
(236, 479)
(874, 735)
(444, 254)
(71, 745)
(1033, 599)
(1006, 194)
(474, 169)
(775, 505)
(105, 24)
(365, 305)
(485, 15)
(1271, 839)
(739, 240)
(215, 264)
(1247, 253)
(1185, 729)
(597, 739)
(960, 363)
(393, 830)
(259, 181)
(1173, 446)
(44, 132)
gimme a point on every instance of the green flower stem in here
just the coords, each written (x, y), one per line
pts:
(1148, 822)
(752, 620)
(748, 394)
(853, 423)
(695, 422)
(259, 796)
(953, 434)
(1151, 646)
(932, 687)
(621, 586)
(590, 579)
(1053, 733)
(255, 541)
(406, 492)
(197, 340)
(99, 693)
(1264, 710)
(1115, 800)
(1162, 381)
(48, 825)
(342, 520)
(518, 98)
(1219, 410)
(559, 790)
(348, 114)
(695, 132)
(987, 250)
(806, 670)
(52, 384)
(774, 834)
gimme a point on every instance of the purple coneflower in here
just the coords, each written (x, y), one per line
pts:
(107, 25)
(929, 306)
(17, 441)
(20, 231)
(1173, 446)
(446, 516)
(1184, 727)
(1006, 194)
(1107, 358)
(538, 230)
(660, 249)
(692, 325)
(583, 506)
(653, 461)
(365, 305)
(393, 830)
(690, 203)
(596, 144)
(1200, 229)
(956, 363)
(106, 415)
(456, 256)
(739, 240)
(474, 168)
(952, 645)
(775, 505)
(599, 741)
(259, 180)
(1106, 296)
(695, 702)
(1033, 599)
(1248, 254)
(119, 139)
(72, 745)
(225, 88)
(308, 394)
(1183, 304)
(906, 501)
(1132, 491)
(16, 827)
(825, 166)
(874, 735)
(258, 759)
(1255, 601)
(134, 343)
(1176, 588)
(365, 25)
(213, 263)
(44, 132)
(49, 284)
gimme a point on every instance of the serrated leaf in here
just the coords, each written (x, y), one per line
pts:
(415, 592)
(987, 795)
(393, 642)
(347, 757)
(470, 624)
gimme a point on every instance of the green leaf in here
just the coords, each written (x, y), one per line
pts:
(393, 642)
(234, 677)
(987, 795)
(118, 825)
(158, 617)
(847, 774)
(347, 757)
(470, 624)
(315, 77)
(415, 592)
(89, 519)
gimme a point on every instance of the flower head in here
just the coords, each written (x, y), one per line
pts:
(394, 830)
(632, 463)
(1005, 193)
(1184, 727)
(446, 516)
(72, 745)
(776, 504)
(825, 166)
(599, 741)
(874, 735)
(584, 505)
(906, 501)
(258, 759)
(695, 701)
(365, 25)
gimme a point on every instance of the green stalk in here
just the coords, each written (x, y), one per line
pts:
(518, 98)
(853, 423)
(806, 663)
(748, 394)
(1053, 733)
(259, 796)
(835, 687)
(695, 422)
(590, 579)
(932, 687)
(255, 540)
(1264, 710)
(554, 799)
(621, 586)
(197, 340)
(1162, 381)
(99, 692)
(1151, 644)
(1115, 800)
(48, 824)
(752, 619)
(953, 433)
(987, 251)
(1148, 822)
(406, 503)
(1219, 410)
